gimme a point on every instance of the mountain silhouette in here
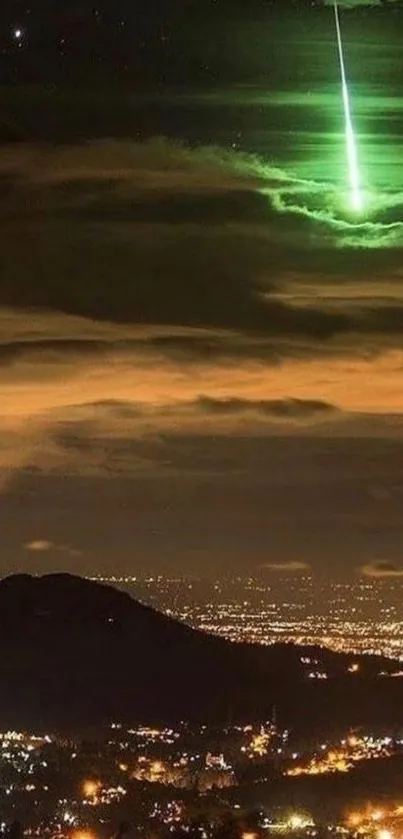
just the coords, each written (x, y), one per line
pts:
(77, 654)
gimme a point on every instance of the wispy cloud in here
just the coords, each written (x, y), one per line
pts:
(381, 569)
(291, 567)
(39, 545)
(46, 545)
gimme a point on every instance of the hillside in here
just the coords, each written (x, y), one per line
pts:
(78, 653)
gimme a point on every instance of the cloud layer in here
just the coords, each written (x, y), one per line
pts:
(208, 334)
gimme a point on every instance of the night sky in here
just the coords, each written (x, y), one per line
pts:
(201, 344)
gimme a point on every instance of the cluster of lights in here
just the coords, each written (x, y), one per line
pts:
(146, 736)
(95, 793)
(191, 762)
(169, 814)
(342, 759)
(294, 611)
(260, 741)
(168, 756)
(183, 773)
(154, 735)
(382, 822)
(22, 751)
(298, 821)
(293, 822)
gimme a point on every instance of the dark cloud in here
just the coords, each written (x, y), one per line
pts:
(153, 277)
(158, 234)
(381, 569)
(287, 409)
(160, 207)
(119, 437)
(50, 350)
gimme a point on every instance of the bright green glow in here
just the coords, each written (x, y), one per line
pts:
(351, 145)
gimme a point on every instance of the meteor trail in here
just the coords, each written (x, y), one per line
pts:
(351, 145)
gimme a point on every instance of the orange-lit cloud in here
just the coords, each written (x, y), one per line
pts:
(108, 391)
(381, 569)
(291, 567)
(39, 545)
(167, 314)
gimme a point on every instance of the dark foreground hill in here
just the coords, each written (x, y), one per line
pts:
(75, 653)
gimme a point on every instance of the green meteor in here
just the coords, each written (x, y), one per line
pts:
(351, 144)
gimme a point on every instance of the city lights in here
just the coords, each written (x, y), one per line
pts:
(91, 788)
(385, 834)
(188, 760)
(348, 752)
(297, 821)
(298, 611)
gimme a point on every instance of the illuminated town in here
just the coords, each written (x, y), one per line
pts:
(242, 778)
(342, 756)
(294, 609)
(194, 780)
